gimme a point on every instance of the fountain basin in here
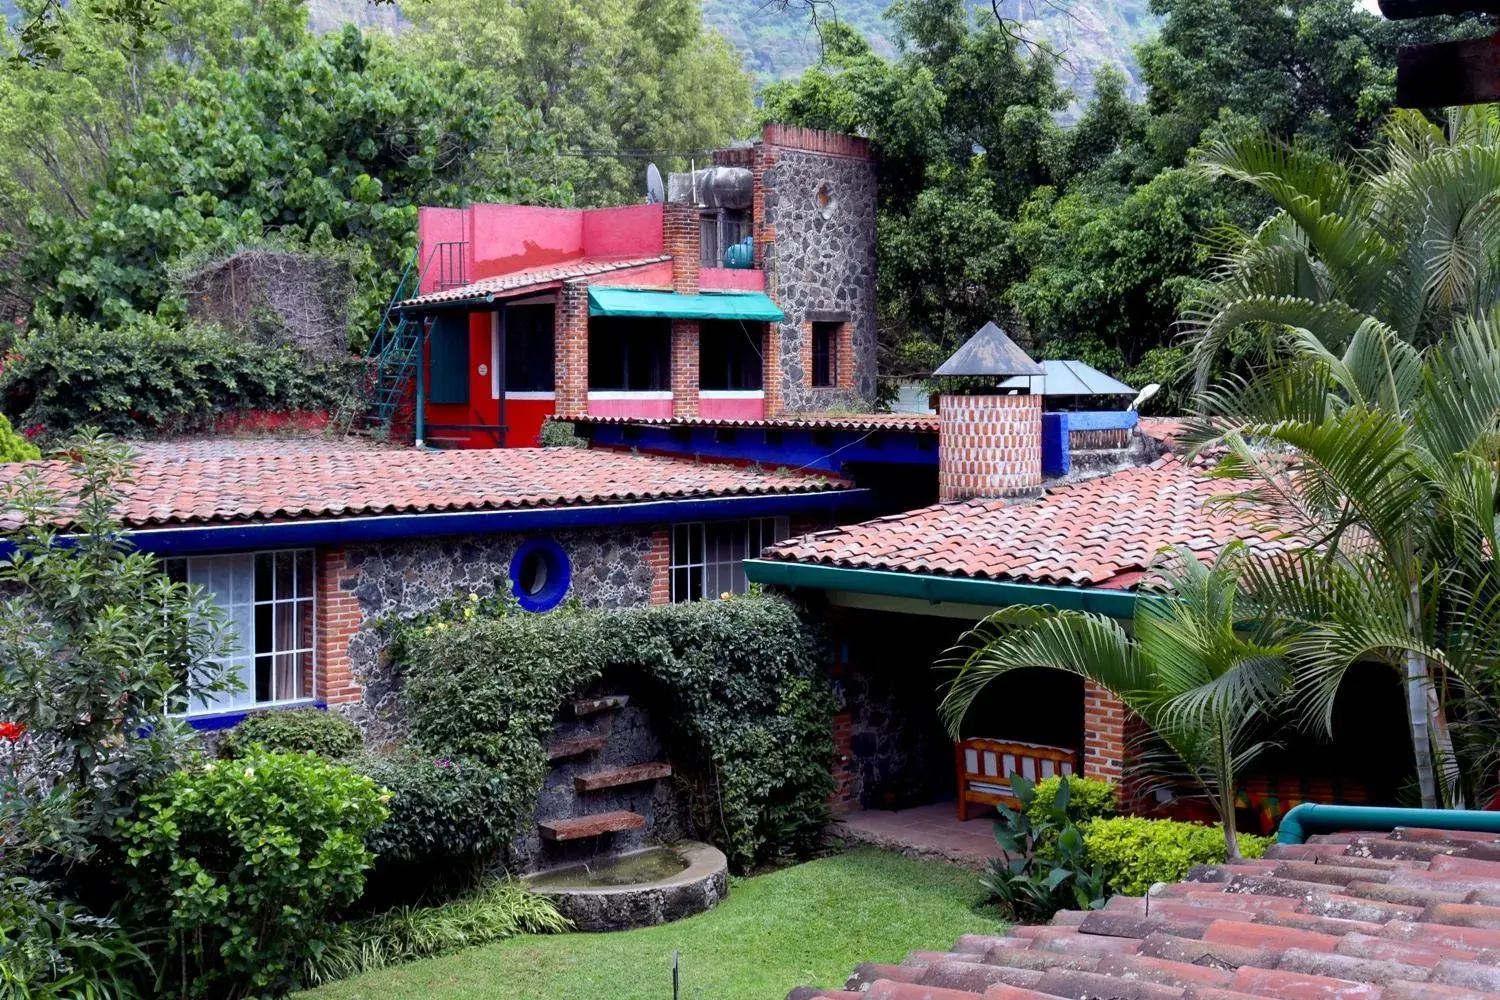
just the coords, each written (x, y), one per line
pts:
(637, 889)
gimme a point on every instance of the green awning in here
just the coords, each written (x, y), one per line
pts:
(753, 306)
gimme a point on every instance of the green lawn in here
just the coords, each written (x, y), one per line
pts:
(805, 925)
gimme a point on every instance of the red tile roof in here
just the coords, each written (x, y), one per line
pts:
(913, 422)
(285, 480)
(534, 278)
(1103, 532)
(1409, 915)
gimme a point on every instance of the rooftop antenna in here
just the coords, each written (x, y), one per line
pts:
(1144, 395)
(655, 193)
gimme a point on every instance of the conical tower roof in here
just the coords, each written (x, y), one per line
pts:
(990, 352)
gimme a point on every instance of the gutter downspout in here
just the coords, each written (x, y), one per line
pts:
(421, 383)
(1310, 818)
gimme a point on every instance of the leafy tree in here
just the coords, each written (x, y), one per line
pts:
(1188, 670)
(97, 649)
(336, 139)
(642, 78)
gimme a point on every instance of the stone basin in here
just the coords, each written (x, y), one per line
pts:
(652, 886)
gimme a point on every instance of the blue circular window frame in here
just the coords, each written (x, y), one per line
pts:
(559, 574)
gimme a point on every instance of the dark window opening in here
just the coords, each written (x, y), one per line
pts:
(448, 359)
(529, 348)
(718, 230)
(825, 354)
(729, 355)
(629, 354)
(708, 557)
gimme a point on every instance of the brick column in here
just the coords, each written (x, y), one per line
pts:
(1103, 734)
(339, 617)
(770, 371)
(844, 798)
(685, 394)
(660, 561)
(988, 446)
(571, 347)
(844, 352)
(681, 239)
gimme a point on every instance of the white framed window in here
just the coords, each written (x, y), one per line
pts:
(708, 557)
(267, 598)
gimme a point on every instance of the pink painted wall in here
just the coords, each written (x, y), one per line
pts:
(630, 407)
(434, 226)
(650, 276)
(731, 279)
(627, 231)
(711, 408)
(504, 238)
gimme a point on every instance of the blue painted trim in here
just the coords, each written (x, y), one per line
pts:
(774, 447)
(559, 574)
(215, 721)
(1057, 456)
(399, 527)
(1102, 420)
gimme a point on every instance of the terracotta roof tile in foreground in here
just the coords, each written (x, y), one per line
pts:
(533, 278)
(297, 479)
(1409, 915)
(1102, 532)
(912, 422)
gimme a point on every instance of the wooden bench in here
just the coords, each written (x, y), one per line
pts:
(985, 767)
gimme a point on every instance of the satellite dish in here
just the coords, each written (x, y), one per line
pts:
(1144, 395)
(655, 193)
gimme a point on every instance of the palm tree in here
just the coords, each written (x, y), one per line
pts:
(1407, 235)
(1383, 461)
(1189, 670)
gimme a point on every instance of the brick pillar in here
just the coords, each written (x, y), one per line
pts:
(660, 561)
(681, 239)
(1103, 734)
(844, 351)
(844, 798)
(571, 346)
(988, 446)
(685, 396)
(770, 371)
(339, 617)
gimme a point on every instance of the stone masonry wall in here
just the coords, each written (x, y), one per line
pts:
(614, 568)
(815, 213)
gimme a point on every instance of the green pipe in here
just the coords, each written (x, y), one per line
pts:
(1309, 818)
(936, 589)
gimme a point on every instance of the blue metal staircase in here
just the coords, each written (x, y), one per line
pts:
(394, 351)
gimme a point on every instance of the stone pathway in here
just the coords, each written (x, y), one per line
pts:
(931, 831)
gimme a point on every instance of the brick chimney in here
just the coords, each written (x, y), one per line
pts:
(680, 238)
(990, 438)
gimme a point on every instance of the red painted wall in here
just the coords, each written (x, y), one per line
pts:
(630, 405)
(650, 276)
(712, 407)
(525, 417)
(627, 231)
(482, 407)
(731, 279)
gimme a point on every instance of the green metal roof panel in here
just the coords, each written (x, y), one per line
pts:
(752, 306)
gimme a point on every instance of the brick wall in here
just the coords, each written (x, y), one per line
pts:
(681, 239)
(571, 346)
(843, 362)
(845, 797)
(660, 561)
(1103, 734)
(770, 371)
(338, 616)
(816, 141)
(685, 393)
(988, 446)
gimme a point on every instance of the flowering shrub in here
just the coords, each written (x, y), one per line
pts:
(245, 865)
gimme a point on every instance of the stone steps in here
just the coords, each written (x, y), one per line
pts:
(634, 774)
(597, 825)
(576, 747)
(605, 703)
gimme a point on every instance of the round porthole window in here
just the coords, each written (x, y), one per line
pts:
(539, 574)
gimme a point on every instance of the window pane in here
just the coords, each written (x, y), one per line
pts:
(284, 587)
(263, 564)
(304, 573)
(529, 348)
(263, 670)
(304, 676)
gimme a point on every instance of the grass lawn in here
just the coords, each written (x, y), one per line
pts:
(805, 925)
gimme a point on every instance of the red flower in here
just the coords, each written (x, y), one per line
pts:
(11, 731)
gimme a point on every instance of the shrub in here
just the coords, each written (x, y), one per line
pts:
(13, 447)
(1138, 852)
(560, 434)
(1088, 798)
(53, 950)
(245, 863)
(442, 810)
(498, 910)
(148, 377)
(740, 683)
(1043, 867)
(301, 730)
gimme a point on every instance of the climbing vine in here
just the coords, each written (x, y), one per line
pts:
(739, 688)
